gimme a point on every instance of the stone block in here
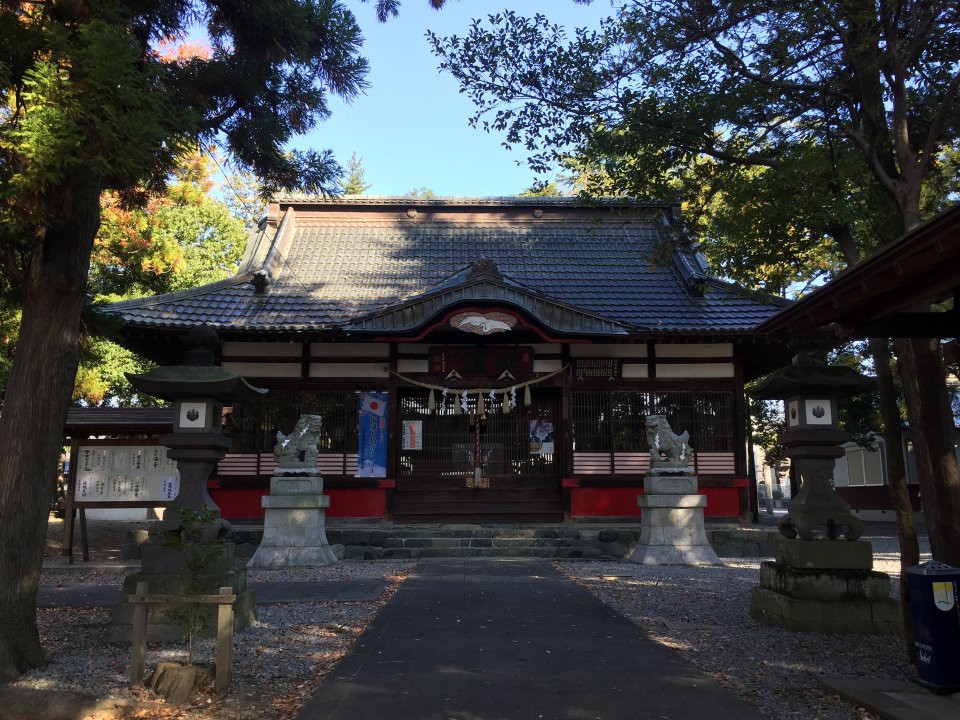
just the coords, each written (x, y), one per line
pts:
(670, 485)
(818, 584)
(862, 617)
(393, 542)
(671, 501)
(281, 485)
(338, 551)
(481, 542)
(355, 537)
(824, 554)
(418, 542)
(377, 538)
(304, 502)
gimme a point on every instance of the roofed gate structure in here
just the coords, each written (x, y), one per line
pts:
(524, 337)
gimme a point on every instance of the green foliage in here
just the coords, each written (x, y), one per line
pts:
(543, 188)
(423, 193)
(791, 130)
(175, 239)
(200, 554)
(354, 182)
(767, 424)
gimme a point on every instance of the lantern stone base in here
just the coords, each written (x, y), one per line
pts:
(294, 524)
(671, 523)
(163, 571)
(799, 591)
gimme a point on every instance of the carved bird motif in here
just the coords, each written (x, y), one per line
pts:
(483, 326)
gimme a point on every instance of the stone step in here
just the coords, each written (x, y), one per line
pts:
(508, 540)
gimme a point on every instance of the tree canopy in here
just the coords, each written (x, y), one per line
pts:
(97, 98)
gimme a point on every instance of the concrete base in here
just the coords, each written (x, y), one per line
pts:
(824, 554)
(163, 571)
(671, 524)
(855, 616)
(294, 524)
(801, 592)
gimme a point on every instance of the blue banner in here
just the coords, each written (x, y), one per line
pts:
(372, 450)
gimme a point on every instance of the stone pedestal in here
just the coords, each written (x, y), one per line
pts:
(163, 569)
(671, 523)
(825, 586)
(294, 523)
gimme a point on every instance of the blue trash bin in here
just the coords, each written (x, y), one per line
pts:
(935, 612)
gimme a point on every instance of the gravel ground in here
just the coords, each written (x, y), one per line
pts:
(703, 613)
(278, 661)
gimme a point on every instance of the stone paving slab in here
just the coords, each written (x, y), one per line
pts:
(893, 700)
(268, 593)
(472, 639)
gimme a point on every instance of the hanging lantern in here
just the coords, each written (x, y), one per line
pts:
(527, 397)
(506, 403)
(431, 403)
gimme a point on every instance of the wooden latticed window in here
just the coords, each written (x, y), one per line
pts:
(254, 426)
(609, 433)
(706, 415)
(606, 421)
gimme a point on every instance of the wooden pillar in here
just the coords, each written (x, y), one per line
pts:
(393, 429)
(138, 640)
(69, 510)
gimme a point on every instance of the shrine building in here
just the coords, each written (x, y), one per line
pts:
(474, 360)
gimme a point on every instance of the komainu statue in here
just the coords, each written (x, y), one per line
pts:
(663, 441)
(299, 448)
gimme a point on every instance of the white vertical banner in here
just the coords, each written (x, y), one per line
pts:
(412, 435)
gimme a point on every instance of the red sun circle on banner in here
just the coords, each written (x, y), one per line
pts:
(374, 405)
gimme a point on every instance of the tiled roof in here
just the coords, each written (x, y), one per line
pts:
(343, 269)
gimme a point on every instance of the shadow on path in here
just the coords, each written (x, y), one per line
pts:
(472, 639)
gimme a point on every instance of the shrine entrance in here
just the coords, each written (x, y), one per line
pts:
(518, 454)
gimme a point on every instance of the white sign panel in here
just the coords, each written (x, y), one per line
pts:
(125, 474)
(818, 412)
(412, 435)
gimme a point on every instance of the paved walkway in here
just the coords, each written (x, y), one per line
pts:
(491, 639)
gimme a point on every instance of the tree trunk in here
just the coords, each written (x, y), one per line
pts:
(34, 410)
(897, 477)
(923, 376)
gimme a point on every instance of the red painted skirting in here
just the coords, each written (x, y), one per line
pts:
(344, 502)
(622, 501)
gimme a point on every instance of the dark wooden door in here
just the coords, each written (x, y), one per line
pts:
(524, 475)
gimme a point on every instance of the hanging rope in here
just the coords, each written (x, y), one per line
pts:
(484, 390)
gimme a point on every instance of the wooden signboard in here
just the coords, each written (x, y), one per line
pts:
(116, 474)
(482, 362)
(597, 369)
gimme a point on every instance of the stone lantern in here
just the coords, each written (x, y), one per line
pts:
(819, 582)
(198, 389)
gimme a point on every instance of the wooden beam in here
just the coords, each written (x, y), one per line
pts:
(904, 325)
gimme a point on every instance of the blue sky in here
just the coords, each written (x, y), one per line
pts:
(410, 128)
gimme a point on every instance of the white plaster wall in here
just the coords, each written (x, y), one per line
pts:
(695, 370)
(248, 369)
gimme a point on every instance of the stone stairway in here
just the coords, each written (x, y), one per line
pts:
(569, 541)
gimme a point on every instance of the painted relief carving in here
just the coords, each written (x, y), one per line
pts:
(483, 323)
